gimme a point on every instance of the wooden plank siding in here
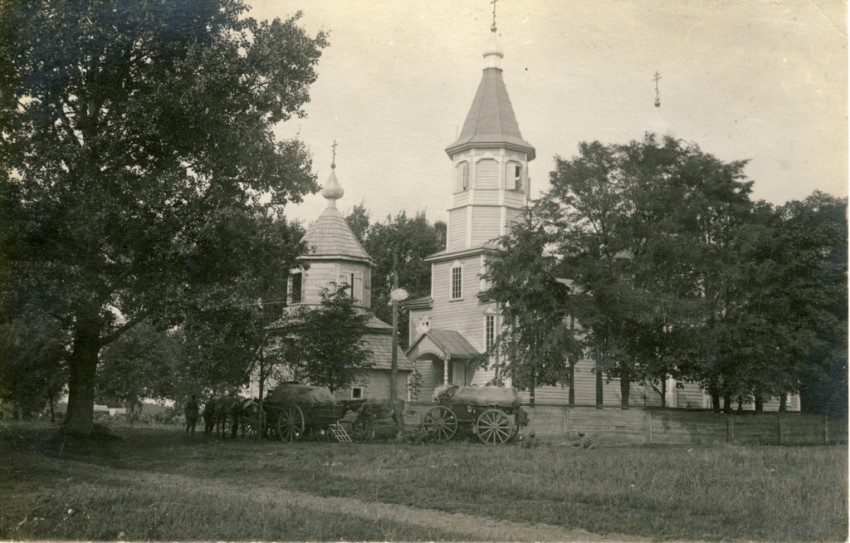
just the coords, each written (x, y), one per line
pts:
(457, 232)
(485, 224)
(486, 174)
(486, 197)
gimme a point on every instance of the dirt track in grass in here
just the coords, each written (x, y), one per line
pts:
(471, 526)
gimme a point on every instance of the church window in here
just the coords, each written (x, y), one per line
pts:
(295, 288)
(462, 181)
(356, 393)
(489, 332)
(513, 176)
(457, 282)
(353, 285)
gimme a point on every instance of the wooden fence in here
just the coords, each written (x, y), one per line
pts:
(613, 426)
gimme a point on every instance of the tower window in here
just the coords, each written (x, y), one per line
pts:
(354, 285)
(489, 332)
(462, 181)
(513, 176)
(457, 282)
(295, 288)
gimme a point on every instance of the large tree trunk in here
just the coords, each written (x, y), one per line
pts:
(625, 386)
(81, 382)
(599, 393)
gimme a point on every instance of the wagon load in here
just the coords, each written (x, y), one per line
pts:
(491, 396)
(295, 410)
(301, 395)
(493, 414)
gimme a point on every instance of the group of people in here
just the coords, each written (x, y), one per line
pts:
(218, 410)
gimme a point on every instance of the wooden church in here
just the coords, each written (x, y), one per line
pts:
(334, 255)
(452, 329)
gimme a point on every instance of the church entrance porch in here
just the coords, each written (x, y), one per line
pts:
(443, 357)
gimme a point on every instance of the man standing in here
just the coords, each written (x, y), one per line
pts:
(191, 412)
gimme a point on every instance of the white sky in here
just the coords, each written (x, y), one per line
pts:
(748, 79)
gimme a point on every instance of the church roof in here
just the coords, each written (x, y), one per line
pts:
(491, 121)
(331, 237)
(381, 346)
(450, 345)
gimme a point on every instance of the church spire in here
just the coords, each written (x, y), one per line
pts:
(491, 122)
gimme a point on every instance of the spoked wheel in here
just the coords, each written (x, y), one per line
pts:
(290, 424)
(250, 425)
(494, 427)
(440, 422)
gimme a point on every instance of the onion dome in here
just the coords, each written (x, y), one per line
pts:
(330, 236)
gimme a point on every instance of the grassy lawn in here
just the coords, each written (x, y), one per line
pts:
(157, 484)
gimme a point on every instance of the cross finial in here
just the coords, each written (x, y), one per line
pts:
(333, 160)
(493, 26)
(657, 94)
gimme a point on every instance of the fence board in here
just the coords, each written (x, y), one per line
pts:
(671, 426)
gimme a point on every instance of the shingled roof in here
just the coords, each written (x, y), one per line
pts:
(330, 236)
(491, 121)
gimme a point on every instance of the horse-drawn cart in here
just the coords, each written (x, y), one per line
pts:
(294, 410)
(491, 413)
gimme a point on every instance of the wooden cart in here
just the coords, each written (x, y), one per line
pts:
(493, 414)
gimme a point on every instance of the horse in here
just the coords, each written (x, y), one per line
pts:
(209, 415)
(233, 411)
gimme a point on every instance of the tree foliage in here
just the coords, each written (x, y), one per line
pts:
(400, 243)
(324, 345)
(136, 142)
(535, 345)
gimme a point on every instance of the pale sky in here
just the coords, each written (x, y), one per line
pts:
(749, 79)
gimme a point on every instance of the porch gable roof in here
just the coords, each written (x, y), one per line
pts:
(446, 344)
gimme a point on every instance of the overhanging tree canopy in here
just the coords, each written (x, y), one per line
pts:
(132, 134)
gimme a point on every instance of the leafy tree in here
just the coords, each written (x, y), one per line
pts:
(137, 366)
(815, 236)
(33, 371)
(132, 134)
(401, 243)
(225, 332)
(536, 344)
(630, 227)
(324, 345)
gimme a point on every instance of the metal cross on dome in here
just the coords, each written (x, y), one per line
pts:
(333, 159)
(493, 26)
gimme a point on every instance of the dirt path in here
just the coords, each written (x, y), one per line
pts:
(470, 526)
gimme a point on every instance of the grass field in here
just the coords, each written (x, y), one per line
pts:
(158, 485)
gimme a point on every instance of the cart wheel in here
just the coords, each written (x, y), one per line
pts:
(441, 422)
(494, 427)
(290, 424)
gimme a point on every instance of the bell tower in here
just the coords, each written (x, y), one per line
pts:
(490, 183)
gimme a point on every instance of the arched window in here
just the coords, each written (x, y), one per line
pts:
(462, 176)
(513, 176)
